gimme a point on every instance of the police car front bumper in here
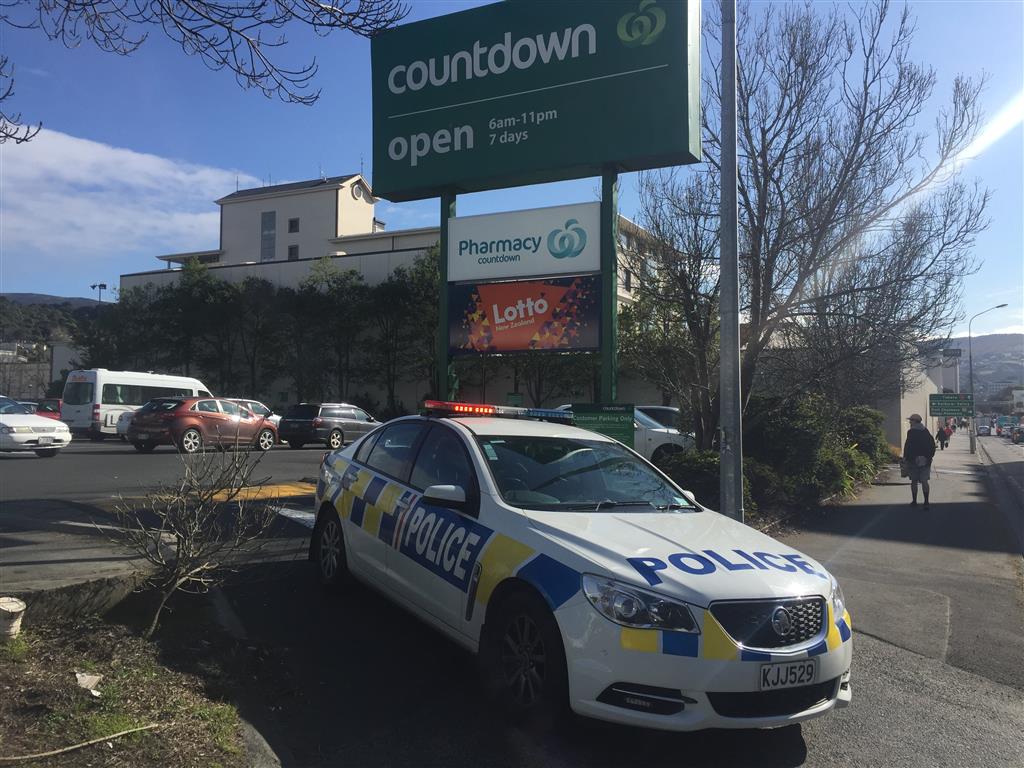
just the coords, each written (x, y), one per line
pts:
(635, 678)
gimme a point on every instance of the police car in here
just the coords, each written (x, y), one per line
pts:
(581, 574)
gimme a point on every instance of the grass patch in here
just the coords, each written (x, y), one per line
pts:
(15, 650)
(47, 709)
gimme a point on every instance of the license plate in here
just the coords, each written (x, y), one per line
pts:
(45, 440)
(788, 675)
(143, 436)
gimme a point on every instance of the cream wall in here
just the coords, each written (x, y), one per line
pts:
(355, 215)
(240, 225)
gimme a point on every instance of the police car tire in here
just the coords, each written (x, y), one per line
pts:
(520, 609)
(340, 574)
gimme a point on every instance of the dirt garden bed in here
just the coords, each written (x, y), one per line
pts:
(43, 706)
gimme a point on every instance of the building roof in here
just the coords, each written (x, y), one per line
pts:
(296, 186)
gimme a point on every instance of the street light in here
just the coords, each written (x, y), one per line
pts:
(970, 373)
(99, 288)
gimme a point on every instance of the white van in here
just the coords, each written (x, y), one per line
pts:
(95, 399)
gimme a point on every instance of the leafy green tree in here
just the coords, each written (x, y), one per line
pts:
(259, 331)
(347, 320)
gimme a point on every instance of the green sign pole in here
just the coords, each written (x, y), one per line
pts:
(447, 212)
(609, 286)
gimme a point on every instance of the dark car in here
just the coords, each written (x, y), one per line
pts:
(190, 423)
(333, 424)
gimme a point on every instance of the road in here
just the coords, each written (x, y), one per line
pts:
(86, 471)
(936, 601)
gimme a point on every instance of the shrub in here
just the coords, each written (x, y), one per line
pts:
(697, 472)
(863, 427)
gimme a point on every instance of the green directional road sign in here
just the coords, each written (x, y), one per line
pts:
(614, 421)
(951, 405)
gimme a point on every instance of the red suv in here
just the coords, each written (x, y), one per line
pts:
(190, 423)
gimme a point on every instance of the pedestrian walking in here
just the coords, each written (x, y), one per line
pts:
(918, 451)
(941, 438)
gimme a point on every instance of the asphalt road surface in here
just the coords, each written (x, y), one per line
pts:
(936, 600)
(93, 471)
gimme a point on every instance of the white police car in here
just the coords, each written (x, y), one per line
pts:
(581, 574)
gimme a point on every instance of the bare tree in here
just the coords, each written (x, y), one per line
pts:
(670, 334)
(194, 531)
(11, 128)
(243, 37)
(854, 225)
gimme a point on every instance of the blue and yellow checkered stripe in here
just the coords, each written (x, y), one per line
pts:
(714, 643)
(505, 557)
(369, 501)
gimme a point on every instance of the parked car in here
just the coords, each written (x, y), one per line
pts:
(50, 407)
(984, 430)
(333, 424)
(123, 422)
(22, 430)
(1017, 433)
(666, 415)
(191, 423)
(258, 408)
(652, 440)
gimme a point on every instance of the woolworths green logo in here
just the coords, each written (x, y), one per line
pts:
(567, 243)
(643, 26)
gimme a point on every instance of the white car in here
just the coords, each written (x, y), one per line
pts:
(123, 422)
(581, 574)
(21, 430)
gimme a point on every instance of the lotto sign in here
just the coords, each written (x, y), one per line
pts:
(561, 240)
(560, 314)
(524, 92)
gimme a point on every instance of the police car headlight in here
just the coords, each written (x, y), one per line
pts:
(838, 600)
(632, 607)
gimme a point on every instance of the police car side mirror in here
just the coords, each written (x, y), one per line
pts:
(448, 496)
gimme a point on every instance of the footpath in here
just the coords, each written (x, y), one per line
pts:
(946, 583)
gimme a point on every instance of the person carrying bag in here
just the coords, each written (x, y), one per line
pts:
(918, 451)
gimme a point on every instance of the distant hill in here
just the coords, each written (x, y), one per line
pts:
(998, 360)
(74, 302)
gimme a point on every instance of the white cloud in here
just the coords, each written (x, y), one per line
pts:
(65, 198)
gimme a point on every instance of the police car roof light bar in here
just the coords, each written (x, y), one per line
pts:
(445, 408)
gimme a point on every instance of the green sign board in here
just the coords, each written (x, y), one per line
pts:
(524, 92)
(614, 421)
(951, 405)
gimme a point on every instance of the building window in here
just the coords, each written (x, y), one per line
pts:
(627, 280)
(268, 235)
(293, 226)
(293, 253)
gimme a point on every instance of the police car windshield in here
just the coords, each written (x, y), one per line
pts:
(573, 475)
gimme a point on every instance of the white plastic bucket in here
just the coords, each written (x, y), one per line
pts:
(11, 611)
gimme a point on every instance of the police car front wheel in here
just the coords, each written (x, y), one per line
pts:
(329, 551)
(523, 660)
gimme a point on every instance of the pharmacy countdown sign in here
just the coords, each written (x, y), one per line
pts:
(524, 92)
(561, 240)
(557, 314)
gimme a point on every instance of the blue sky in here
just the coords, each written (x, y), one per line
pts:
(136, 149)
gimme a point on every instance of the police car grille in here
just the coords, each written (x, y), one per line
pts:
(750, 623)
(786, 701)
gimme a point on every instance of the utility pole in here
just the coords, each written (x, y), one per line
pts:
(970, 374)
(730, 420)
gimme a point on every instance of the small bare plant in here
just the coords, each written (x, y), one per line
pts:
(195, 531)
